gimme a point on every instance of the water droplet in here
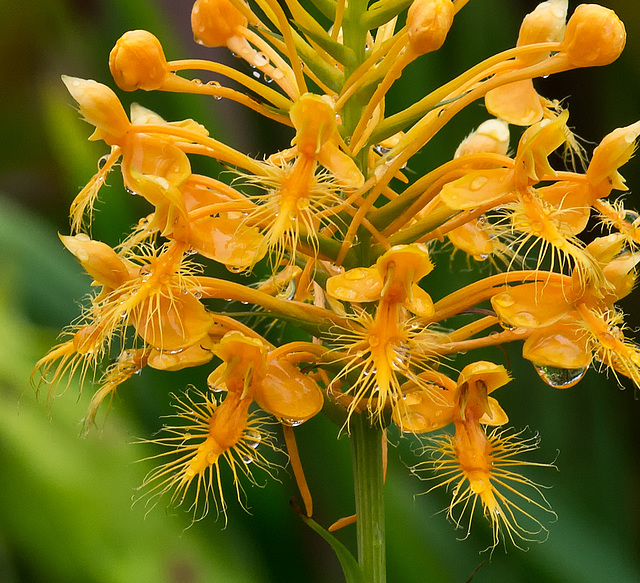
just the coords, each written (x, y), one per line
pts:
(507, 325)
(381, 149)
(524, 319)
(290, 422)
(102, 161)
(478, 183)
(235, 269)
(82, 254)
(504, 300)
(560, 378)
(253, 438)
(260, 60)
(630, 217)
(289, 291)
(277, 74)
(356, 274)
(346, 293)
(212, 457)
(380, 171)
(82, 237)
(197, 82)
(132, 192)
(246, 459)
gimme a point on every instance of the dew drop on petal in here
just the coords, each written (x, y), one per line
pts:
(560, 378)
(290, 422)
(525, 319)
(478, 183)
(356, 274)
(504, 300)
(260, 60)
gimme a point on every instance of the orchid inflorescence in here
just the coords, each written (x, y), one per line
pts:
(337, 237)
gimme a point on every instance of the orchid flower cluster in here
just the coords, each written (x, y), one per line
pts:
(336, 236)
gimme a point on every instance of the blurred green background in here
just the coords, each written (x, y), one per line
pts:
(65, 501)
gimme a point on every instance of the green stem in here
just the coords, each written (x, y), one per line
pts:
(366, 439)
(366, 453)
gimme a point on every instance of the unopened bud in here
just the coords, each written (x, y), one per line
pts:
(428, 22)
(137, 61)
(98, 259)
(545, 24)
(100, 107)
(595, 36)
(214, 22)
(610, 154)
(491, 137)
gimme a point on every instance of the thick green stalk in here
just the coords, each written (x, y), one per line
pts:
(366, 440)
(366, 453)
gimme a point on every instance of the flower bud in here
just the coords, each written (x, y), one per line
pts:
(137, 61)
(214, 22)
(545, 24)
(491, 137)
(595, 36)
(611, 153)
(98, 259)
(100, 107)
(428, 22)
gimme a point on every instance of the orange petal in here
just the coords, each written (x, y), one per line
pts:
(492, 375)
(477, 188)
(473, 239)
(564, 345)
(199, 353)
(496, 415)
(361, 284)
(572, 202)
(516, 103)
(287, 393)
(532, 305)
(424, 410)
(227, 241)
(171, 323)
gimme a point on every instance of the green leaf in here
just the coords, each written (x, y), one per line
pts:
(350, 567)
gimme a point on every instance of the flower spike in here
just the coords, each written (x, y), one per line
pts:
(342, 299)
